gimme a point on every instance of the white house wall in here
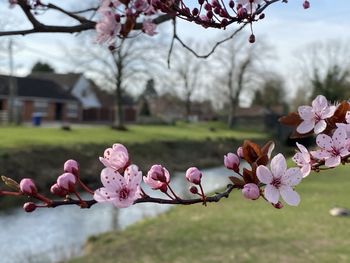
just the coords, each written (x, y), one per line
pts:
(83, 92)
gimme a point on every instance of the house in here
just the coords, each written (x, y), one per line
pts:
(97, 105)
(38, 97)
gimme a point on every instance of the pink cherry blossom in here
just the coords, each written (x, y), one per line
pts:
(193, 175)
(314, 117)
(251, 191)
(71, 166)
(240, 152)
(149, 28)
(107, 28)
(121, 191)
(332, 149)
(141, 5)
(303, 159)
(67, 182)
(28, 187)
(250, 5)
(231, 161)
(116, 157)
(346, 125)
(280, 181)
(157, 177)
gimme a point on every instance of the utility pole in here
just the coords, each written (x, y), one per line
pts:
(12, 86)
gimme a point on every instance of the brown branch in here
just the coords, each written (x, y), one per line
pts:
(147, 199)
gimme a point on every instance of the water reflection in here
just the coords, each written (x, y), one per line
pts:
(49, 235)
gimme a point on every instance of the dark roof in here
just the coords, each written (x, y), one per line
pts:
(67, 81)
(32, 87)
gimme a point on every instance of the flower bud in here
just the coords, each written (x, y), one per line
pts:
(306, 4)
(163, 188)
(28, 187)
(251, 191)
(157, 177)
(252, 38)
(240, 152)
(231, 162)
(57, 190)
(29, 207)
(193, 175)
(71, 166)
(67, 182)
(193, 189)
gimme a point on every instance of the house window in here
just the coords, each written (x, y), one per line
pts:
(72, 110)
(41, 107)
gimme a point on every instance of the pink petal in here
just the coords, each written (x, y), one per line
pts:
(112, 180)
(347, 117)
(292, 177)
(264, 175)
(133, 176)
(306, 126)
(105, 162)
(120, 148)
(289, 195)
(320, 126)
(324, 142)
(107, 153)
(319, 103)
(302, 148)
(320, 154)
(333, 161)
(298, 159)
(272, 194)
(339, 138)
(278, 165)
(306, 112)
(328, 112)
(103, 195)
(305, 170)
(123, 203)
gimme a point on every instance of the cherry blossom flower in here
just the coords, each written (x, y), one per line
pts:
(116, 157)
(149, 28)
(303, 159)
(107, 28)
(118, 190)
(332, 149)
(157, 177)
(314, 117)
(346, 125)
(280, 181)
(250, 5)
(231, 161)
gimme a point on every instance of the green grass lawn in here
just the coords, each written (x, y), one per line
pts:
(29, 136)
(238, 230)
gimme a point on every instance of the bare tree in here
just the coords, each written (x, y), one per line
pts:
(325, 69)
(187, 76)
(118, 68)
(236, 66)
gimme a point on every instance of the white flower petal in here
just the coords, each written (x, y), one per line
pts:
(103, 195)
(305, 170)
(289, 195)
(339, 138)
(320, 154)
(319, 103)
(306, 126)
(306, 112)
(292, 176)
(278, 165)
(111, 179)
(333, 161)
(328, 112)
(272, 194)
(320, 126)
(347, 117)
(264, 175)
(324, 142)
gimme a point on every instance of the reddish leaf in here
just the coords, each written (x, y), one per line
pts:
(236, 181)
(268, 148)
(251, 151)
(262, 160)
(292, 119)
(247, 176)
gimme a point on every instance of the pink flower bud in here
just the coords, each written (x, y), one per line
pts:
(29, 207)
(157, 177)
(231, 161)
(28, 187)
(194, 189)
(193, 175)
(306, 4)
(67, 182)
(71, 166)
(240, 152)
(57, 190)
(251, 191)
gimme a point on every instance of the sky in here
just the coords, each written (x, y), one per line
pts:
(287, 29)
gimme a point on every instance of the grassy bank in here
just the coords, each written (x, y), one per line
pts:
(237, 230)
(15, 137)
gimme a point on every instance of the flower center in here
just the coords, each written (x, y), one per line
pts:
(276, 182)
(335, 151)
(123, 193)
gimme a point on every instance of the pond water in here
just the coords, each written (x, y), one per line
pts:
(50, 235)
